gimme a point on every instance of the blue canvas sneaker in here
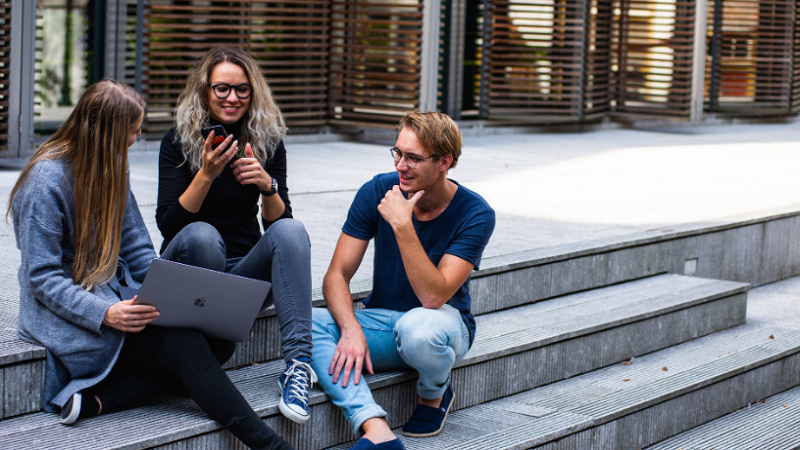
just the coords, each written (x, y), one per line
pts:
(295, 383)
(427, 421)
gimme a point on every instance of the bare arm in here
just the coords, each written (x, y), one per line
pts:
(352, 351)
(433, 285)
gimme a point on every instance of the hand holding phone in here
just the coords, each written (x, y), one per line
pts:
(219, 133)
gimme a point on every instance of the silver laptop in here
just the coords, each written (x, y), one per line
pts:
(214, 303)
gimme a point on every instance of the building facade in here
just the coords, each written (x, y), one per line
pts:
(344, 64)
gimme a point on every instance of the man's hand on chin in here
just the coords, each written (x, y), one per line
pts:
(396, 210)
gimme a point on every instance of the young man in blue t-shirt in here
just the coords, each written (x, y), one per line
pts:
(429, 235)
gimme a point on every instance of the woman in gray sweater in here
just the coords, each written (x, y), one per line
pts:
(81, 237)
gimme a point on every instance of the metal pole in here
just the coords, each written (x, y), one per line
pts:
(482, 109)
(430, 55)
(23, 43)
(139, 44)
(699, 60)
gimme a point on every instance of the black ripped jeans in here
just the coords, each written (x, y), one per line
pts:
(159, 361)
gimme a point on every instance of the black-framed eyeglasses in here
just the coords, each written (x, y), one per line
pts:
(411, 160)
(223, 90)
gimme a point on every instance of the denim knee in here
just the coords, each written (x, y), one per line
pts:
(425, 336)
(291, 235)
(198, 244)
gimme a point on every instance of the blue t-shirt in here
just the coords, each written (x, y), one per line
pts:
(462, 229)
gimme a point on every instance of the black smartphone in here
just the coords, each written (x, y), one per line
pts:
(219, 133)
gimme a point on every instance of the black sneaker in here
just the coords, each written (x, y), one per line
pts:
(72, 410)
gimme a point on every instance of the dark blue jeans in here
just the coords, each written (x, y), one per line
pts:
(282, 256)
(169, 361)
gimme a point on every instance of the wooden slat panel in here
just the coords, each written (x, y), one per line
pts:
(753, 70)
(5, 70)
(652, 58)
(535, 59)
(288, 39)
(375, 60)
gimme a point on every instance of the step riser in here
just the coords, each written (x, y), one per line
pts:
(493, 379)
(326, 427)
(757, 254)
(661, 421)
(21, 388)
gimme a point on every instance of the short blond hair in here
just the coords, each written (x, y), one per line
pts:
(436, 132)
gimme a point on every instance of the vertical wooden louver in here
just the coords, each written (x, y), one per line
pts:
(375, 62)
(5, 70)
(597, 78)
(535, 59)
(653, 52)
(750, 70)
(796, 59)
(288, 39)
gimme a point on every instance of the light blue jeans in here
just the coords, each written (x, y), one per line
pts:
(282, 256)
(431, 341)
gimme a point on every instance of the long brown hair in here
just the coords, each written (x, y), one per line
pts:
(94, 142)
(262, 126)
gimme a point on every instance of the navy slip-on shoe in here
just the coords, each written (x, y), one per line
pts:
(366, 444)
(427, 421)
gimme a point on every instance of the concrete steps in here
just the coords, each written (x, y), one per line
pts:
(655, 397)
(515, 350)
(769, 424)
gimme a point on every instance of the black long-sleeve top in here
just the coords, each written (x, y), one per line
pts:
(229, 206)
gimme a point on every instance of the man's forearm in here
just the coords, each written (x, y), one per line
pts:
(336, 291)
(428, 283)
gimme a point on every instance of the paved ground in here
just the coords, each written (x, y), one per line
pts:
(548, 189)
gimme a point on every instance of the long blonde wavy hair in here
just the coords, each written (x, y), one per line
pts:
(94, 142)
(262, 127)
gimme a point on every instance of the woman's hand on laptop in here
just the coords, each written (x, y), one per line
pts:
(129, 317)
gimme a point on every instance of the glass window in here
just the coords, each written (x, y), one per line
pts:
(63, 66)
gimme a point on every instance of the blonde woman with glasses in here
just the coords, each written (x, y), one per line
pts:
(226, 155)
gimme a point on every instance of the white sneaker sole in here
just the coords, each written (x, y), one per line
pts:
(288, 412)
(75, 410)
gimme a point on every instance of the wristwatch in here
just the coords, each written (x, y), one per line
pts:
(272, 191)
